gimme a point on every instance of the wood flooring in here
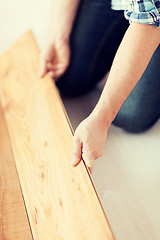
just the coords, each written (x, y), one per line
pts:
(41, 195)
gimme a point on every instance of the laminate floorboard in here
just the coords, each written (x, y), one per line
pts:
(14, 223)
(61, 201)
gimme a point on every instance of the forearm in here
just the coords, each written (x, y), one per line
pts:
(131, 60)
(62, 17)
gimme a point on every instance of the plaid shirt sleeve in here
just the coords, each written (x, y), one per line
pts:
(144, 11)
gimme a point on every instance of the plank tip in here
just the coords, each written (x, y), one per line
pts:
(27, 34)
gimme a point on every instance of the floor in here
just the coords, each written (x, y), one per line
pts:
(127, 176)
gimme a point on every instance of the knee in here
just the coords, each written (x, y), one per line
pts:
(136, 121)
(74, 83)
(71, 87)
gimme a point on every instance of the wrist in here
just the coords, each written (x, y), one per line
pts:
(62, 19)
(102, 117)
(106, 110)
(57, 37)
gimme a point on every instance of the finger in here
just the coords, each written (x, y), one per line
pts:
(90, 169)
(89, 163)
(51, 74)
(88, 158)
(58, 73)
(51, 67)
(77, 152)
(43, 68)
(60, 69)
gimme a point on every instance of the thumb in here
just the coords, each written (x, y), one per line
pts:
(43, 67)
(77, 152)
(88, 158)
(46, 57)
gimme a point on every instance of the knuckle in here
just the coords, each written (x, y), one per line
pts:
(76, 155)
(77, 141)
(51, 73)
(76, 138)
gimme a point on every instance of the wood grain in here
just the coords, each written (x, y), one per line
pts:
(14, 224)
(61, 201)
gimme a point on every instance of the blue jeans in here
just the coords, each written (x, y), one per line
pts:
(95, 38)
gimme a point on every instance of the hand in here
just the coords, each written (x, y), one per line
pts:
(54, 59)
(89, 140)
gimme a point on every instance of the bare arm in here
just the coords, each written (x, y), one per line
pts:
(131, 60)
(62, 18)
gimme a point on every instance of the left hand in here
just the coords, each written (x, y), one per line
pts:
(89, 140)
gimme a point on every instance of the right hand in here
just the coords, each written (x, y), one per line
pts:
(54, 59)
(89, 140)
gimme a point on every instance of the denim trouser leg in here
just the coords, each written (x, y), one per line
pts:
(142, 108)
(95, 38)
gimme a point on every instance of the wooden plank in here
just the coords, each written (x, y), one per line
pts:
(14, 224)
(61, 200)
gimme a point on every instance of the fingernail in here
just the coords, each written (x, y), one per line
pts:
(39, 74)
(73, 162)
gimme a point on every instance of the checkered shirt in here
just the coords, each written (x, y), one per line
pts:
(140, 11)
